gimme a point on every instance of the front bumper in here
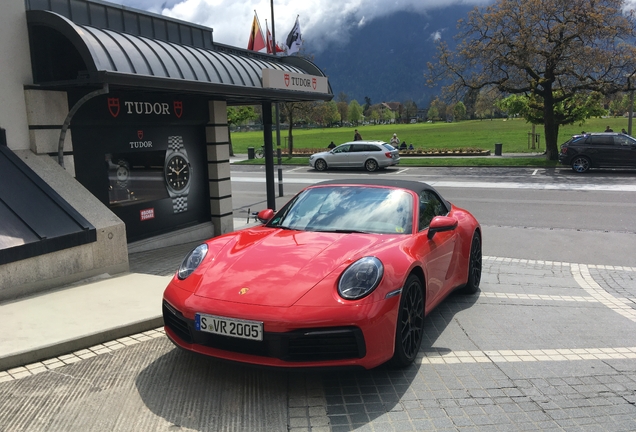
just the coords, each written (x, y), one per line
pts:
(293, 337)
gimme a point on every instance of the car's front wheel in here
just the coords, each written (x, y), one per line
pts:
(474, 266)
(371, 165)
(410, 324)
(581, 164)
(320, 165)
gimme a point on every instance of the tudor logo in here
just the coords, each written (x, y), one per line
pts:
(314, 82)
(140, 134)
(287, 79)
(113, 106)
(243, 291)
(178, 108)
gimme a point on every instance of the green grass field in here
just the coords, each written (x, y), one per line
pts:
(513, 134)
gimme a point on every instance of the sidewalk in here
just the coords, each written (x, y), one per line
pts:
(90, 312)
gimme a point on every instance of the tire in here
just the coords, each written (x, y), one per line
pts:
(581, 164)
(371, 165)
(259, 154)
(320, 165)
(410, 324)
(474, 266)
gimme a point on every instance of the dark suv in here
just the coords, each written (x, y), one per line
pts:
(599, 150)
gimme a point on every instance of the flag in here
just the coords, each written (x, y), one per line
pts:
(257, 42)
(294, 39)
(268, 37)
(270, 42)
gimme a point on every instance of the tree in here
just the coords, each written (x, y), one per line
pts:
(375, 115)
(237, 116)
(367, 104)
(410, 109)
(343, 110)
(355, 112)
(433, 113)
(459, 111)
(294, 110)
(549, 51)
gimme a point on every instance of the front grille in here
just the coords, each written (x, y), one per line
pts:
(331, 344)
(175, 321)
(337, 343)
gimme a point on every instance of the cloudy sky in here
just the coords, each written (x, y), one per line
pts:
(324, 22)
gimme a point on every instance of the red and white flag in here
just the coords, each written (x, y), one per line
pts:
(257, 42)
(270, 42)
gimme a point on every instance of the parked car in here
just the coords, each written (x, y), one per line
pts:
(599, 150)
(342, 275)
(371, 155)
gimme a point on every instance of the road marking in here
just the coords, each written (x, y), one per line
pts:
(443, 356)
(402, 170)
(513, 296)
(535, 171)
(581, 274)
(471, 184)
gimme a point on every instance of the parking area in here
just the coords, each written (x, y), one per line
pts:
(544, 345)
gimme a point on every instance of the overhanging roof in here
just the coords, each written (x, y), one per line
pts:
(67, 54)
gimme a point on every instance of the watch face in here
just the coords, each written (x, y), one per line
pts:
(122, 173)
(177, 173)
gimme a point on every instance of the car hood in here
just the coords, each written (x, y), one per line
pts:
(274, 267)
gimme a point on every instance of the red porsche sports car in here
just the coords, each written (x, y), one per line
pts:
(342, 275)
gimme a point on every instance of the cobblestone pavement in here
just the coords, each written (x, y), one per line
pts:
(543, 346)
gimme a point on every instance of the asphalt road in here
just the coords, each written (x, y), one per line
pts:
(547, 344)
(543, 214)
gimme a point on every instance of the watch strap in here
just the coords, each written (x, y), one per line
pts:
(180, 204)
(175, 143)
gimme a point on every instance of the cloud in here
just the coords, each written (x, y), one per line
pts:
(322, 22)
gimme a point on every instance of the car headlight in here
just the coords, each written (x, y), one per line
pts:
(360, 278)
(192, 261)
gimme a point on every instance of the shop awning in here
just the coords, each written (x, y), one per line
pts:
(35, 219)
(91, 43)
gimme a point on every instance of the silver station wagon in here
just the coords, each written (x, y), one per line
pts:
(371, 155)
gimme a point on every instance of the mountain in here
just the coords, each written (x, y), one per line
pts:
(386, 59)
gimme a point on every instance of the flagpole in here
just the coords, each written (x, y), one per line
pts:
(278, 149)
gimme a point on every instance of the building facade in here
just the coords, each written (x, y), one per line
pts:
(116, 132)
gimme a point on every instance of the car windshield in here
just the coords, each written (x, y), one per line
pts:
(348, 209)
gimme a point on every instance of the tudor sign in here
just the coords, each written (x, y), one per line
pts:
(282, 80)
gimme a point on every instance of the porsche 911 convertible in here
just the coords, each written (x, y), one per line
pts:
(342, 275)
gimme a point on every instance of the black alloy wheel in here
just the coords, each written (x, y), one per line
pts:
(581, 164)
(410, 324)
(371, 165)
(474, 266)
(320, 165)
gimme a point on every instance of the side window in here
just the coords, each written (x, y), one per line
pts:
(603, 140)
(622, 140)
(342, 149)
(430, 206)
(373, 148)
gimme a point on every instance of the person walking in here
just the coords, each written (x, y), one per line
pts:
(357, 136)
(395, 141)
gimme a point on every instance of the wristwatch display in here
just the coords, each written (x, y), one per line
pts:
(122, 173)
(177, 173)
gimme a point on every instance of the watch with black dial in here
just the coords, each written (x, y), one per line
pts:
(122, 174)
(177, 172)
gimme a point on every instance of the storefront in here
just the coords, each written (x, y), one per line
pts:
(120, 118)
(151, 148)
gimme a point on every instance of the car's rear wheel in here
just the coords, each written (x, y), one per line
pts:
(474, 266)
(410, 324)
(320, 165)
(581, 164)
(371, 165)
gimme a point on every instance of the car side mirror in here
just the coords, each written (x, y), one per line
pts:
(441, 223)
(265, 215)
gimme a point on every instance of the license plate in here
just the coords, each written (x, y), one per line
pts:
(231, 327)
